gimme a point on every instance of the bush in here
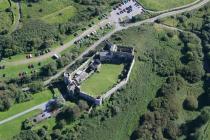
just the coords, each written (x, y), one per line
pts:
(193, 72)
(69, 114)
(190, 103)
(36, 86)
(83, 105)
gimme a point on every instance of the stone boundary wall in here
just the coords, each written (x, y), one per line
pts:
(90, 98)
(82, 66)
(108, 93)
(121, 84)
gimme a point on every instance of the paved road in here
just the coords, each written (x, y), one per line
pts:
(41, 106)
(59, 49)
(168, 14)
(98, 42)
(118, 28)
(70, 43)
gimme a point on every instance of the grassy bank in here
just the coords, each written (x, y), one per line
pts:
(12, 128)
(17, 108)
(158, 5)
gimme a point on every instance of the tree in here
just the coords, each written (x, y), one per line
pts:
(42, 132)
(36, 86)
(61, 124)
(49, 70)
(44, 45)
(83, 105)
(193, 72)
(172, 131)
(204, 116)
(69, 114)
(27, 124)
(5, 101)
(27, 135)
(190, 103)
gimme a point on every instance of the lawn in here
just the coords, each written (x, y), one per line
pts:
(17, 108)
(158, 5)
(60, 16)
(43, 8)
(100, 82)
(12, 128)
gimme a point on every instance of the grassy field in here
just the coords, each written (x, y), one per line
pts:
(43, 8)
(12, 128)
(13, 71)
(158, 5)
(17, 108)
(61, 16)
(101, 82)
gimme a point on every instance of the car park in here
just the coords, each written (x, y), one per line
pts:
(126, 10)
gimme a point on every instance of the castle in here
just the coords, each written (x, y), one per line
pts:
(111, 54)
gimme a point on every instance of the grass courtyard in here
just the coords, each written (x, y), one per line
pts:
(157, 5)
(12, 128)
(100, 82)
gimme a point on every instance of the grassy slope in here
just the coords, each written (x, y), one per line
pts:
(5, 17)
(17, 108)
(142, 87)
(163, 4)
(12, 128)
(195, 19)
(139, 91)
(60, 16)
(100, 82)
(47, 7)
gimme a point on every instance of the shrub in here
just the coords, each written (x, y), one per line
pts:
(193, 72)
(190, 103)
